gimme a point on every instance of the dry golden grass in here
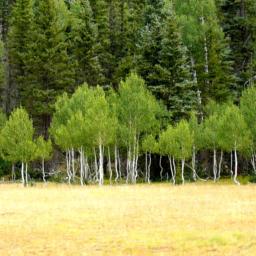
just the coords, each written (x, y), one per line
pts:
(128, 220)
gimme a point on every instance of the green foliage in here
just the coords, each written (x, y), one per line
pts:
(149, 144)
(208, 48)
(234, 131)
(44, 148)
(84, 120)
(2, 75)
(84, 36)
(50, 70)
(17, 138)
(164, 65)
(248, 106)
(177, 141)
(19, 43)
(138, 110)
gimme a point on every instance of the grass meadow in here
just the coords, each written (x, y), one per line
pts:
(156, 219)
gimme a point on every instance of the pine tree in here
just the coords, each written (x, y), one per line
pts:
(84, 36)
(50, 69)
(19, 40)
(165, 66)
(238, 21)
(1, 70)
(208, 49)
(101, 18)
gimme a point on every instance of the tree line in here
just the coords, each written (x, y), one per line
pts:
(189, 53)
(115, 134)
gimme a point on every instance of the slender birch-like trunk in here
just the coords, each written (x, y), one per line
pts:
(26, 172)
(182, 171)
(128, 164)
(116, 165)
(101, 170)
(109, 167)
(172, 169)
(73, 164)
(214, 165)
(149, 167)
(68, 165)
(81, 167)
(231, 164)
(194, 164)
(236, 167)
(22, 174)
(220, 164)
(161, 167)
(43, 171)
(253, 159)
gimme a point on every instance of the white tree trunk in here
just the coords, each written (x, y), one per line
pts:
(43, 171)
(13, 172)
(26, 172)
(22, 174)
(101, 170)
(81, 166)
(68, 165)
(116, 165)
(194, 164)
(253, 162)
(236, 167)
(182, 171)
(220, 164)
(73, 164)
(172, 170)
(231, 164)
(109, 167)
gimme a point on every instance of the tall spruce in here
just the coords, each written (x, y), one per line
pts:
(239, 23)
(19, 41)
(165, 66)
(84, 34)
(49, 67)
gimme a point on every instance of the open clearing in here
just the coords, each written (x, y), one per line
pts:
(128, 220)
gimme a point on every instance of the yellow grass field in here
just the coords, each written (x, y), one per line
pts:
(157, 219)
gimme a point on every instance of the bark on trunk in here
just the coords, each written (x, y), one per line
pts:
(220, 164)
(43, 171)
(182, 171)
(236, 167)
(101, 170)
(161, 167)
(22, 174)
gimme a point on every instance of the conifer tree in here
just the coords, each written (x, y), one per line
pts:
(238, 19)
(84, 35)
(2, 71)
(19, 40)
(209, 50)
(165, 66)
(49, 67)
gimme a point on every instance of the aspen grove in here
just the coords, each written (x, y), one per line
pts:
(107, 135)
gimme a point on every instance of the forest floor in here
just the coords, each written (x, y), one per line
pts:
(157, 219)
